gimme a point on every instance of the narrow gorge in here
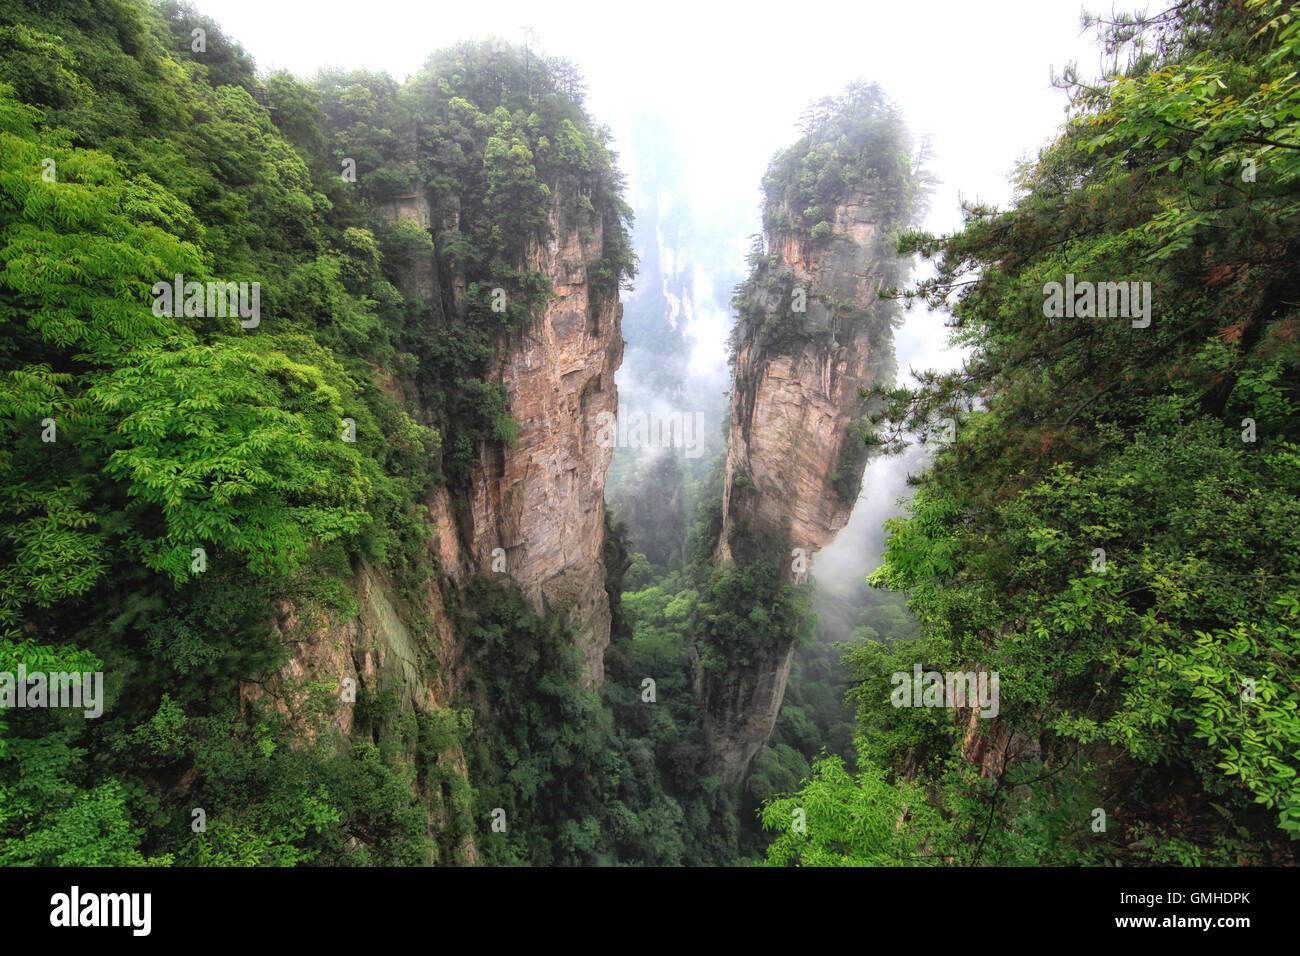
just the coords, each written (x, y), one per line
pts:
(307, 474)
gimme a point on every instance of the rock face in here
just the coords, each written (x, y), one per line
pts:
(535, 510)
(794, 462)
(370, 651)
(792, 405)
(542, 501)
(739, 713)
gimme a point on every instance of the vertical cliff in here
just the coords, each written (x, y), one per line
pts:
(514, 317)
(538, 498)
(806, 345)
(541, 499)
(502, 238)
(811, 333)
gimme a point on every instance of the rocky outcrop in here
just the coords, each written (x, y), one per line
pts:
(793, 402)
(806, 344)
(740, 709)
(994, 748)
(534, 511)
(337, 659)
(542, 500)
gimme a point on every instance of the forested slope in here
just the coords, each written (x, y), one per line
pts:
(1113, 527)
(234, 516)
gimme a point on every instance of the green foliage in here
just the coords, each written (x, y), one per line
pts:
(1157, 679)
(839, 819)
(852, 143)
(745, 614)
(547, 752)
(223, 443)
(130, 158)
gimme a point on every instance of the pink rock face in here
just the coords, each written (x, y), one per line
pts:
(543, 500)
(791, 410)
(787, 438)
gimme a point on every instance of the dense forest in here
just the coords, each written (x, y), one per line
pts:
(287, 531)
(1112, 525)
